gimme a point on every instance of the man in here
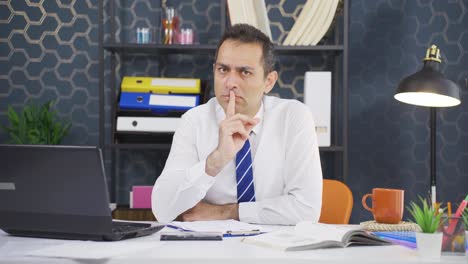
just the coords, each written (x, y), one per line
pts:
(242, 155)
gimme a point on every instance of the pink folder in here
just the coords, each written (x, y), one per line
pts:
(142, 196)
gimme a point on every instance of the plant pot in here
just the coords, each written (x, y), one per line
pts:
(429, 245)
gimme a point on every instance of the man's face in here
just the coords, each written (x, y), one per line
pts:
(239, 67)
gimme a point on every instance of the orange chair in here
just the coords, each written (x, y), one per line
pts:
(337, 203)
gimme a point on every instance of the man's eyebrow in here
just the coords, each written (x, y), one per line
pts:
(240, 68)
(244, 68)
(221, 64)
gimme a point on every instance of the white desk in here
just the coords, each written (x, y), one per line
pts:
(231, 250)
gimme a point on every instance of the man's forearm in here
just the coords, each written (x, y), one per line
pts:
(230, 211)
(204, 211)
(214, 163)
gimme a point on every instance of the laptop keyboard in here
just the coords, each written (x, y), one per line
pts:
(125, 227)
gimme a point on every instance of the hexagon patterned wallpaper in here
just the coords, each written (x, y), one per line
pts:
(389, 140)
(49, 50)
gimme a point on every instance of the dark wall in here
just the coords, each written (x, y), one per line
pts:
(49, 50)
(389, 140)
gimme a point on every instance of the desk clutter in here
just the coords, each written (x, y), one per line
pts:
(149, 107)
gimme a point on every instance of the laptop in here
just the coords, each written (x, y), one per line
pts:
(59, 192)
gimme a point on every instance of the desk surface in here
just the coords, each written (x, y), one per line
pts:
(230, 250)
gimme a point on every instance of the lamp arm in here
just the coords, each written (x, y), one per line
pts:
(432, 127)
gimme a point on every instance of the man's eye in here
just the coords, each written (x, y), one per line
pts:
(246, 73)
(222, 69)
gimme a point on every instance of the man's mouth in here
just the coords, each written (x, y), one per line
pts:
(227, 97)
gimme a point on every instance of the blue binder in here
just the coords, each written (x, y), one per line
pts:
(158, 103)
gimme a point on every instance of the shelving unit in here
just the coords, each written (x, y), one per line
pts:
(205, 48)
(338, 49)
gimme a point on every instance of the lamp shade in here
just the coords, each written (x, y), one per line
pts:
(428, 87)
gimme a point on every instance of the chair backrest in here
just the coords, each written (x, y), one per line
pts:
(337, 203)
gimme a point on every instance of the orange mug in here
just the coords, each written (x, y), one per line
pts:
(387, 205)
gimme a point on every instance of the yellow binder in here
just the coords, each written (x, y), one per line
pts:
(160, 85)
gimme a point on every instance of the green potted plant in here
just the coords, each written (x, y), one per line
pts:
(36, 125)
(429, 240)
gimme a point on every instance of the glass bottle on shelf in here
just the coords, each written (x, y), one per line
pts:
(170, 25)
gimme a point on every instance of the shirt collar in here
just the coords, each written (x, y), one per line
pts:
(221, 115)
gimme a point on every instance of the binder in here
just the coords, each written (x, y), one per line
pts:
(141, 197)
(158, 103)
(317, 96)
(160, 85)
(147, 124)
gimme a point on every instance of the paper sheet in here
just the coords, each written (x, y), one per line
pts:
(220, 226)
(323, 231)
(91, 250)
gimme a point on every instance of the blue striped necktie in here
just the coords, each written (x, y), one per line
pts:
(244, 175)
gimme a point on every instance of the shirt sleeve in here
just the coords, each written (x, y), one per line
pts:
(183, 182)
(302, 199)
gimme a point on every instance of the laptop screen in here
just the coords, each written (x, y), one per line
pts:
(53, 188)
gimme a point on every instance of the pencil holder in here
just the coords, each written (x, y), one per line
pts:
(453, 241)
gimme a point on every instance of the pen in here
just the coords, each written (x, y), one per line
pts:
(254, 232)
(179, 228)
(436, 208)
(462, 206)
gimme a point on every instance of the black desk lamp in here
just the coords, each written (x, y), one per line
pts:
(428, 87)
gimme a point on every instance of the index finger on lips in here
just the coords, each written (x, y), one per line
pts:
(231, 107)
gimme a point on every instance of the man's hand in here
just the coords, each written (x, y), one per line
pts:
(233, 132)
(204, 211)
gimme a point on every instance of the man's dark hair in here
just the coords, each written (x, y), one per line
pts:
(245, 33)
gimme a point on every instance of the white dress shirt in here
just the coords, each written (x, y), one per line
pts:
(286, 166)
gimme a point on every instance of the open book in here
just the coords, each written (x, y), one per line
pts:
(308, 235)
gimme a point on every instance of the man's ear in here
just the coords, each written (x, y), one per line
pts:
(270, 81)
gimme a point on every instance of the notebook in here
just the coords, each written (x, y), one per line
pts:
(59, 192)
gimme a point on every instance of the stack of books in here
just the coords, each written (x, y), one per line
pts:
(313, 22)
(150, 104)
(252, 12)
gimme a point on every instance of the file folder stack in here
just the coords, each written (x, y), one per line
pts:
(154, 105)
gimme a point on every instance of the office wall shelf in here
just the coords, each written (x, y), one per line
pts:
(160, 48)
(205, 48)
(305, 50)
(335, 48)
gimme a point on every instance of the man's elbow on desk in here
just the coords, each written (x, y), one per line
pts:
(161, 215)
(161, 208)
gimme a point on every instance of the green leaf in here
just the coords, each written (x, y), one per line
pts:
(15, 139)
(35, 125)
(465, 217)
(29, 113)
(13, 116)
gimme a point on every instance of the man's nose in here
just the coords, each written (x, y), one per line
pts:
(231, 81)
